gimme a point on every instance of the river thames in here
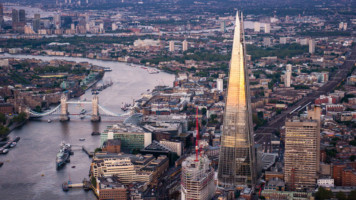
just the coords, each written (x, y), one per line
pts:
(29, 170)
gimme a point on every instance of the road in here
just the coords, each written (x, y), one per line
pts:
(264, 132)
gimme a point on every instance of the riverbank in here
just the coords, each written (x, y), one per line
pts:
(13, 127)
(35, 155)
(101, 59)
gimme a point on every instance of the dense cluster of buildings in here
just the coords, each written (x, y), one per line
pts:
(275, 63)
(35, 84)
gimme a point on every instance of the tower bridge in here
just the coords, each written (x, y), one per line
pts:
(64, 115)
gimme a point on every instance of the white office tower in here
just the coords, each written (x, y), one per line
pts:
(341, 25)
(220, 84)
(171, 46)
(197, 179)
(114, 26)
(345, 26)
(288, 75)
(57, 21)
(101, 27)
(311, 46)
(185, 45)
(267, 28)
(257, 27)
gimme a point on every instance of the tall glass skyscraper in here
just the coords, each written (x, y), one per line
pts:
(237, 158)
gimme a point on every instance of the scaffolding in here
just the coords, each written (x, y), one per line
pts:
(197, 179)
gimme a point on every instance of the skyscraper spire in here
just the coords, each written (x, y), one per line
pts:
(237, 158)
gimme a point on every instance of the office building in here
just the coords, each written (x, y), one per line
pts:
(220, 84)
(57, 21)
(171, 46)
(283, 40)
(1, 15)
(111, 188)
(174, 145)
(36, 22)
(15, 17)
(257, 27)
(237, 157)
(114, 26)
(197, 179)
(288, 75)
(223, 27)
(120, 165)
(112, 146)
(345, 26)
(311, 46)
(267, 28)
(302, 147)
(185, 45)
(22, 16)
(266, 41)
(132, 137)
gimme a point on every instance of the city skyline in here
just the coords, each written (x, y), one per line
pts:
(177, 99)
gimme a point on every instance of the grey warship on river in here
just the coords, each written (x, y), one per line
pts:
(63, 156)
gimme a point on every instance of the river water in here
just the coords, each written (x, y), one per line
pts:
(29, 170)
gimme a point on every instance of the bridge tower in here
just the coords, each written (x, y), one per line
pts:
(64, 109)
(95, 117)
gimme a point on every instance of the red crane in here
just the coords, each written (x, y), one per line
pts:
(197, 138)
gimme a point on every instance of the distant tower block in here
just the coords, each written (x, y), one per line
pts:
(311, 46)
(64, 109)
(171, 46)
(257, 27)
(185, 45)
(267, 28)
(220, 84)
(288, 76)
(95, 117)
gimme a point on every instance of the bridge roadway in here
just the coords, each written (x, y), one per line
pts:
(263, 134)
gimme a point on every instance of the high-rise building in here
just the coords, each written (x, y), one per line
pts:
(257, 27)
(1, 15)
(220, 84)
(345, 26)
(57, 21)
(113, 26)
(171, 46)
(311, 46)
(237, 158)
(185, 45)
(22, 16)
(223, 27)
(288, 76)
(267, 28)
(302, 151)
(341, 25)
(197, 179)
(36, 22)
(15, 16)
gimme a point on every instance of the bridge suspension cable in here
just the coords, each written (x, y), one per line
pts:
(37, 114)
(106, 111)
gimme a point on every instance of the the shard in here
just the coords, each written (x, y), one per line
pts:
(237, 166)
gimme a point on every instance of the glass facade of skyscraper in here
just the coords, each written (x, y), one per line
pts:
(236, 161)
